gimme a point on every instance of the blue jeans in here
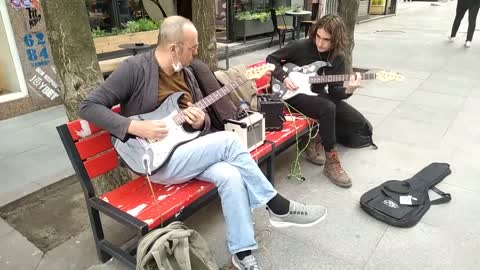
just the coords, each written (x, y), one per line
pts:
(221, 159)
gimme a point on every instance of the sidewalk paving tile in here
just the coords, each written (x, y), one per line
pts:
(4, 228)
(424, 247)
(16, 252)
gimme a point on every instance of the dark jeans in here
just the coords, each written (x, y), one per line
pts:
(462, 7)
(329, 113)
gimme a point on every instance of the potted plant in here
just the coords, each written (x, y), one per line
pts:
(140, 31)
(249, 23)
(377, 7)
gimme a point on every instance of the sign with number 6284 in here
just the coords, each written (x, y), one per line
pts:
(37, 52)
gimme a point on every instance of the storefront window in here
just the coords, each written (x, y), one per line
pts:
(129, 10)
(251, 18)
(100, 14)
(12, 81)
(221, 19)
(108, 15)
(251, 5)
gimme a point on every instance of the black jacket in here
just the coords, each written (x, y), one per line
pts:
(304, 52)
(133, 85)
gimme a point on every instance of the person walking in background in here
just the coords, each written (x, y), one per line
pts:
(462, 7)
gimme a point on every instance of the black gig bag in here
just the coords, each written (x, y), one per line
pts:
(403, 203)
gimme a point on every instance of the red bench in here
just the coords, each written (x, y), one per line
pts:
(132, 204)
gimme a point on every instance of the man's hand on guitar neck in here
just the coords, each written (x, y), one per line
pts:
(148, 129)
(353, 84)
(288, 82)
(194, 116)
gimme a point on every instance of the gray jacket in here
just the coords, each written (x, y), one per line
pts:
(133, 85)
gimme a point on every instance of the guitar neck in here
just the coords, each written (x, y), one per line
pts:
(338, 78)
(213, 97)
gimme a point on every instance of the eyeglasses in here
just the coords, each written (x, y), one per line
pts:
(193, 47)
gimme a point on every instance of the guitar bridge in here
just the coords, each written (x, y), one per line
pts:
(144, 143)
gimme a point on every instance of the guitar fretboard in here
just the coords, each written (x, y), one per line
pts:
(338, 78)
(212, 98)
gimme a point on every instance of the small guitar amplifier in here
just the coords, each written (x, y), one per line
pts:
(272, 107)
(250, 129)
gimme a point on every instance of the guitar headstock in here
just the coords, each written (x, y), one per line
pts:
(386, 76)
(258, 71)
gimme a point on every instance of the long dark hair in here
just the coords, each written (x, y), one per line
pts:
(334, 25)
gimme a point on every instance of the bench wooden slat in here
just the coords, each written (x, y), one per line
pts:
(119, 197)
(94, 145)
(81, 129)
(174, 204)
(102, 163)
(126, 188)
(136, 199)
(279, 137)
(261, 151)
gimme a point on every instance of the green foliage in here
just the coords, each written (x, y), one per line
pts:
(260, 15)
(97, 32)
(131, 27)
(378, 2)
(282, 9)
(141, 25)
(247, 16)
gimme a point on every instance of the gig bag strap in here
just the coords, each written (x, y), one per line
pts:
(446, 197)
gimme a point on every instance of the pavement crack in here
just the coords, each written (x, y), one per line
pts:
(373, 251)
(40, 261)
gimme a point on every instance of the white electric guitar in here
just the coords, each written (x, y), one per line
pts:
(305, 76)
(147, 156)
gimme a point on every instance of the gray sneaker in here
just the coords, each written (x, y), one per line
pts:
(299, 215)
(248, 263)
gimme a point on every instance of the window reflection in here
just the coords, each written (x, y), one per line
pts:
(100, 14)
(129, 10)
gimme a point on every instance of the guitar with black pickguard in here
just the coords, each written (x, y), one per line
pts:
(307, 75)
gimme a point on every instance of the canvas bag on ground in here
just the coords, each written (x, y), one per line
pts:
(246, 91)
(222, 109)
(174, 247)
(403, 203)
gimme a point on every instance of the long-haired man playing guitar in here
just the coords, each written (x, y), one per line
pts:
(327, 39)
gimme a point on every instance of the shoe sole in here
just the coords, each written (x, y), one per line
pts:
(346, 185)
(235, 264)
(314, 161)
(280, 224)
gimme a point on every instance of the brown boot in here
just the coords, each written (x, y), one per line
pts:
(315, 152)
(334, 171)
